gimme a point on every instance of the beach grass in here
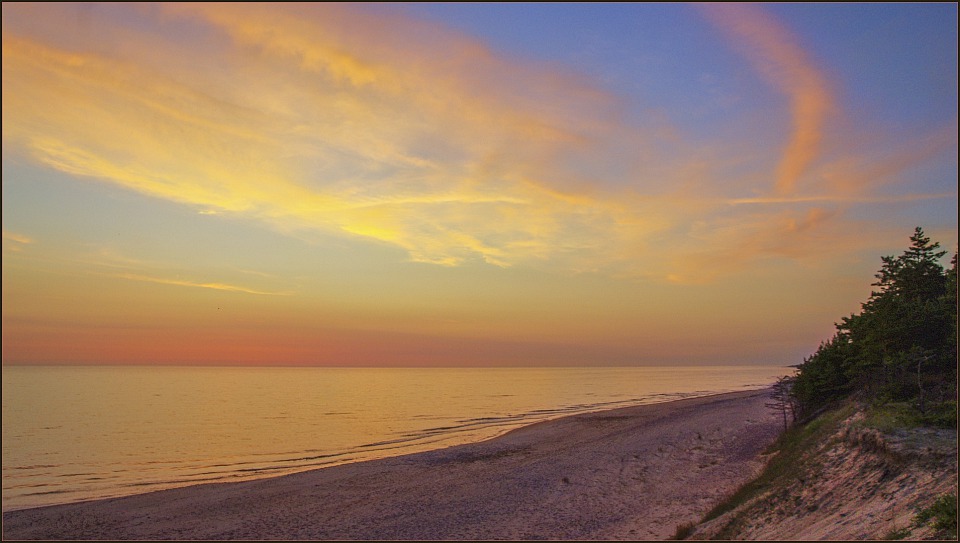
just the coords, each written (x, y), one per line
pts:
(785, 466)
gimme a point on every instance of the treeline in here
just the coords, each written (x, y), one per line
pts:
(900, 349)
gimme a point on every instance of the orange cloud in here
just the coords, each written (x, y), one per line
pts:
(857, 173)
(730, 245)
(322, 128)
(327, 119)
(842, 199)
(782, 61)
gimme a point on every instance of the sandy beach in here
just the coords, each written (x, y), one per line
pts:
(631, 473)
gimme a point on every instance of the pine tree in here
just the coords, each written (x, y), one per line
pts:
(902, 346)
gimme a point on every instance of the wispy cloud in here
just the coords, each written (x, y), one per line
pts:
(185, 283)
(14, 242)
(842, 199)
(319, 119)
(16, 238)
(782, 61)
(863, 171)
(446, 151)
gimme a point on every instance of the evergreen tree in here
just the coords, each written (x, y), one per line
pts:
(902, 346)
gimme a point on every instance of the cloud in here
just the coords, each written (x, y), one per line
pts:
(312, 125)
(726, 246)
(16, 238)
(777, 55)
(843, 199)
(15, 242)
(862, 171)
(331, 119)
(185, 283)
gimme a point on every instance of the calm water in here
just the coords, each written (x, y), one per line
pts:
(76, 433)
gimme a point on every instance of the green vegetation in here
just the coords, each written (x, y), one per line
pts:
(891, 416)
(943, 513)
(898, 356)
(900, 351)
(787, 465)
(896, 535)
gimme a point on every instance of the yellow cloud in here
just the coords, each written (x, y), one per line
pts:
(328, 119)
(184, 283)
(14, 243)
(16, 238)
(349, 135)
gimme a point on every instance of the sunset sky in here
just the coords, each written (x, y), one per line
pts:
(464, 184)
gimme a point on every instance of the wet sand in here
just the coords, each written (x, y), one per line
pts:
(634, 473)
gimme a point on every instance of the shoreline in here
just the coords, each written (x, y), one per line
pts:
(389, 447)
(625, 473)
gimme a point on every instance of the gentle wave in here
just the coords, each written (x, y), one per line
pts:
(278, 464)
(106, 453)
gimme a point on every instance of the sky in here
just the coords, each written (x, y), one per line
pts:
(464, 184)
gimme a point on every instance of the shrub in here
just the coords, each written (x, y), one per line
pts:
(943, 513)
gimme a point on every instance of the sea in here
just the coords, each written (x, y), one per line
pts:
(79, 433)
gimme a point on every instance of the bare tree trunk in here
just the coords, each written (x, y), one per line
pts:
(920, 360)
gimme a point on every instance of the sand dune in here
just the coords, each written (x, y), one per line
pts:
(631, 473)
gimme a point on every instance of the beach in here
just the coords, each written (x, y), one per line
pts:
(629, 473)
